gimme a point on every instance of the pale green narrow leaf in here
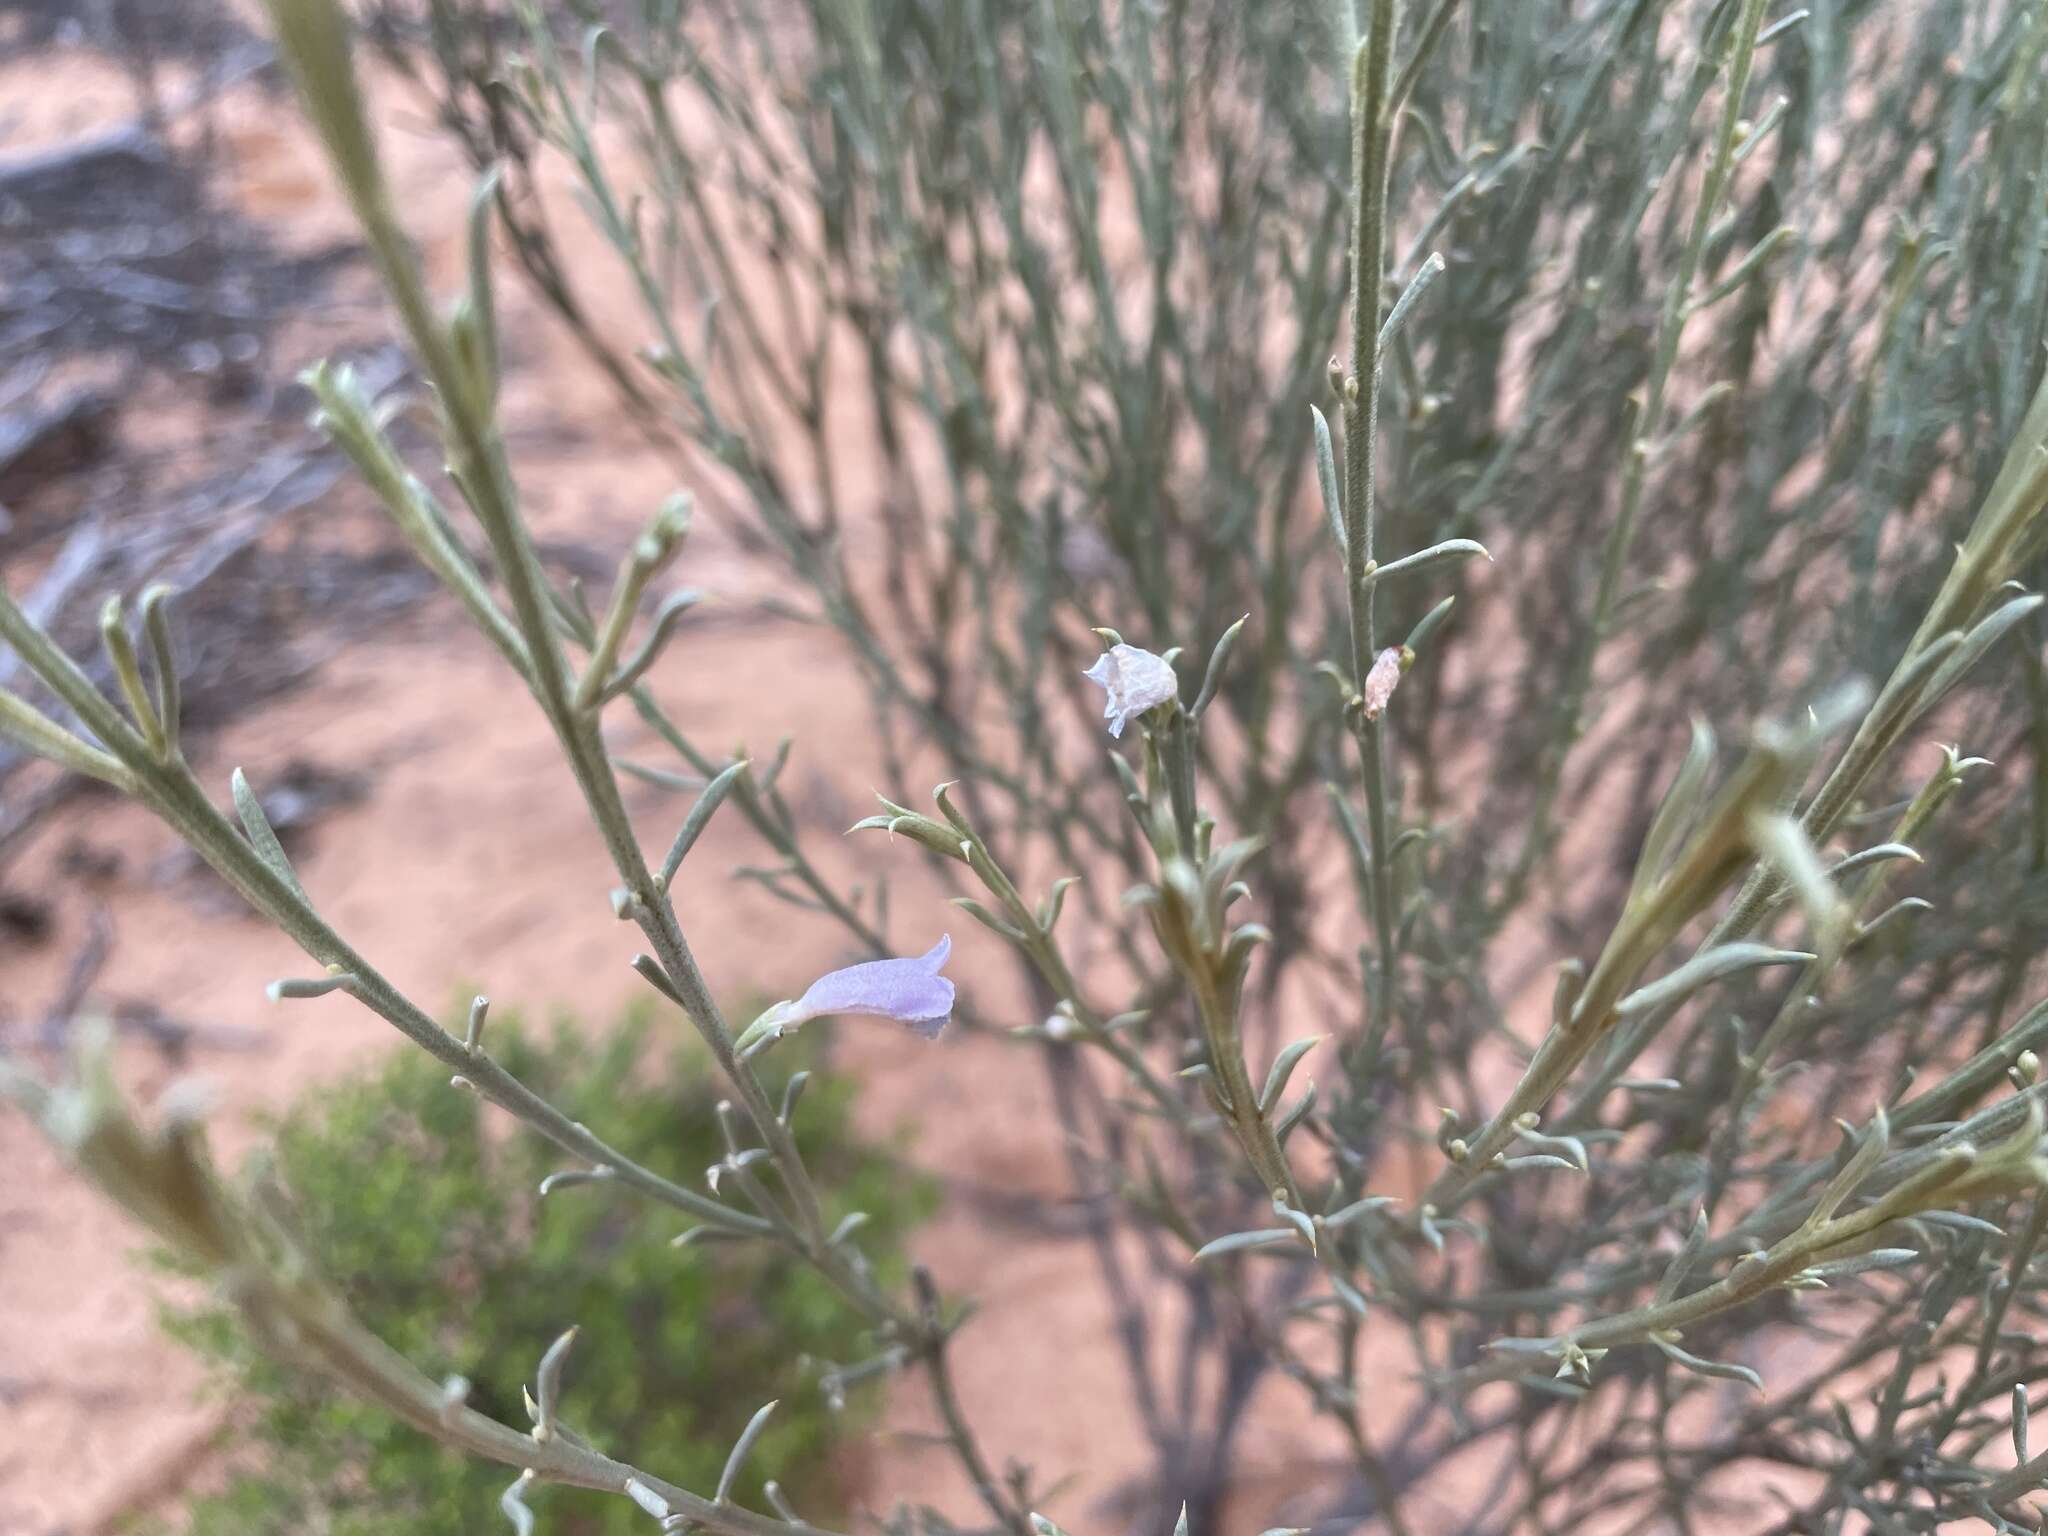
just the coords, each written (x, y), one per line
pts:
(699, 818)
(1283, 1068)
(740, 1450)
(1326, 476)
(1426, 629)
(1715, 1368)
(1680, 808)
(1986, 633)
(1436, 554)
(1709, 966)
(261, 835)
(1238, 1242)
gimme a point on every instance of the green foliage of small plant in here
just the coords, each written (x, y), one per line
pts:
(428, 1220)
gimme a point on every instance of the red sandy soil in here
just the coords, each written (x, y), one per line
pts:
(471, 863)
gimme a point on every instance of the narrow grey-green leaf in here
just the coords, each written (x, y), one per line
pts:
(570, 1177)
(1904, 907)
(1716, 1368)
(1753, 262)
(1781, 26)
(779, 1502)
(1961, 1221)
(1301, 1221)
(1356, 1209)
(792, 1091)
(1708, 966)
(547, 1381)
(156, 626)
(1418, 285)
(1238, 1242)
(1326, 476)
(1349, 1294)
(851, 1223)
(1865, 857)
(1436, 554)
(33, 731)
(1055, 899)
(1681, 1266)
(1283, 1068)
(298, 988)
(740, 1449)
(1680, 808)
(1541, 1160)
(666, 617)
(1524, 1346)
(513, 1503)
(1869, 1151)
(1431, 621)
(989, 920)
(1980, 638)
(699, 818)
(1864, 1263)
(261, 837)
(1570, 1148)
(647, 1498)
(651, 971)
(1219, 657)
(483, 302)
(1289, 1122)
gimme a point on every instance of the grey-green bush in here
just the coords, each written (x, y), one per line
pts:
(1694, 375)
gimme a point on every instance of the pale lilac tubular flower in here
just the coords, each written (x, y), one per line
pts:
(1381, 681)
(1135, 681)
(911, 992)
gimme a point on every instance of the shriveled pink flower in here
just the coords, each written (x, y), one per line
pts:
(1381, 681)
(1135, 681)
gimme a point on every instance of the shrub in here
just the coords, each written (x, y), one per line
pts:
(1692, 367)
(430, 1226)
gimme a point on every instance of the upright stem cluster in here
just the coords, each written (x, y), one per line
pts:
(1372, 137)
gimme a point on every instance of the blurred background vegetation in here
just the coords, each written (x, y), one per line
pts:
(429, 1221)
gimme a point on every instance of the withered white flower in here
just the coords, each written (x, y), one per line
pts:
(1381, 681)
(1135, 681)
